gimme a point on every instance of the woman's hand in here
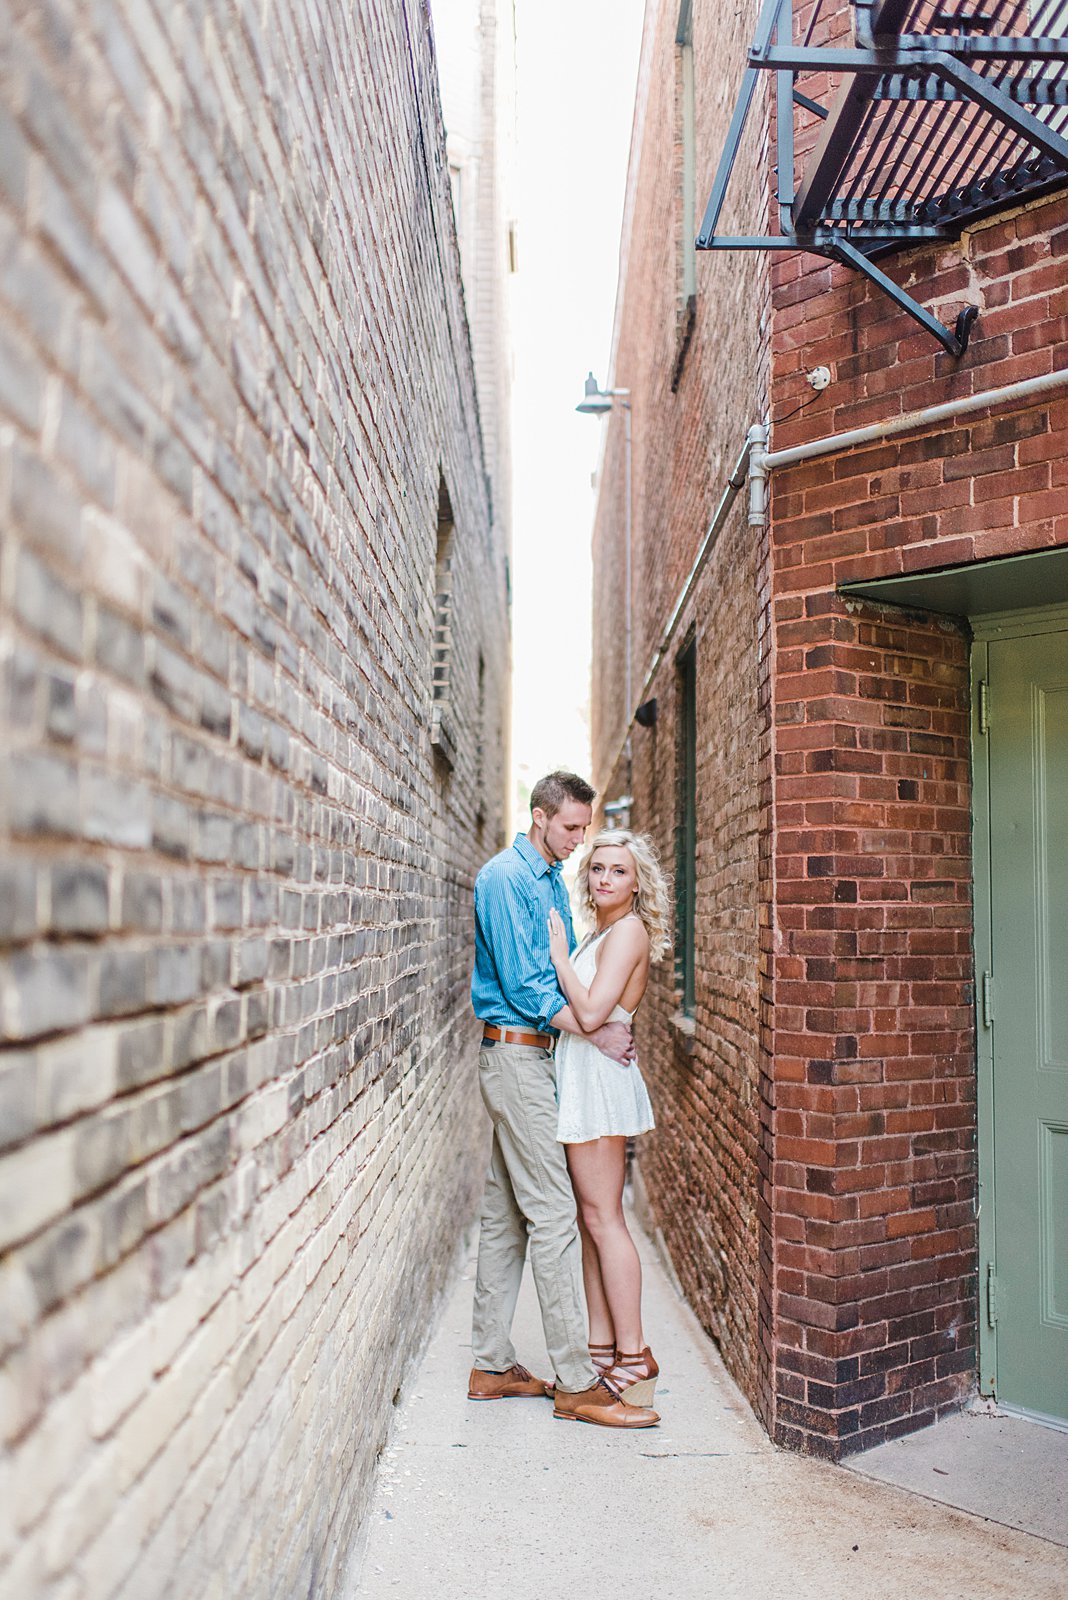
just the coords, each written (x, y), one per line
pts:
(558, 950)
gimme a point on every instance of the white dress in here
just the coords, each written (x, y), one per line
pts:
(597, 1096)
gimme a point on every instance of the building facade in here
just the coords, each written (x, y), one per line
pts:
(254, 667)
(846, 723)
(476, 50)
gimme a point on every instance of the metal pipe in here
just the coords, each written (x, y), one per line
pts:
(628, 609)
(755, 439)
(734, 484)
(832, 442)
(756, 461)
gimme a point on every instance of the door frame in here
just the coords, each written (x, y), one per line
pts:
(985, 630)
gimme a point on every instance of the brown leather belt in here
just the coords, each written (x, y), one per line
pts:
(516, 1036)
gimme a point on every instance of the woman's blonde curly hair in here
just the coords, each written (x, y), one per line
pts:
(651, 902)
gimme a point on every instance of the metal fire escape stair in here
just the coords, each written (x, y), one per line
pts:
(951, 109)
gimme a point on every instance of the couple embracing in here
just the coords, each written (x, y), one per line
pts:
(560, 1082)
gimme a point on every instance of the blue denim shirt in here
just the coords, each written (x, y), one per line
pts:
(514, 985)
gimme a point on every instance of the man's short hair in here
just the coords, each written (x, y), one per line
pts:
(550, 792)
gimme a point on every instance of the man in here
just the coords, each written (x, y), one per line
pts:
(528, 1192)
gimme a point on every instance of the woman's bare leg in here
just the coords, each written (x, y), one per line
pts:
(597, 1173)
(601, 1330)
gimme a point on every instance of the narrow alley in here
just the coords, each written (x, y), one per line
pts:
(481, 1501)
(319, 562)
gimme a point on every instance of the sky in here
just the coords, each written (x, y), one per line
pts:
(576, 68)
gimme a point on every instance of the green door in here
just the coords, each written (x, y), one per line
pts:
(1028, 1015)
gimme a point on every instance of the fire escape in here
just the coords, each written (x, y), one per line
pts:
(950, 110)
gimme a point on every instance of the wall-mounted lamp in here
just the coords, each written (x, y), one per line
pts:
(646, 713)
(596, 401)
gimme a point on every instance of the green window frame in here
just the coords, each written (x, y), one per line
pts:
(686, 829)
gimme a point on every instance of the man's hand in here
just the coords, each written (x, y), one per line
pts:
(614, 1039)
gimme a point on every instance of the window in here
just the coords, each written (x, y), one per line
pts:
(441, 731)
(686, 826)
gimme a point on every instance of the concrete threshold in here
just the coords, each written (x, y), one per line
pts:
(497, 1501)
(1007, 1469)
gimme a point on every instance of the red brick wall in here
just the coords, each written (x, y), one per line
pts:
(873, 1049)
(700, 1166)
(814, 1167)
(872, 1139)
(686, 438)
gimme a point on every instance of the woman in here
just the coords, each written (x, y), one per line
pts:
(603, 1104)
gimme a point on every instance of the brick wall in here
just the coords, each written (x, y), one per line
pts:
(699, 1169)
(870, 976)
(697, 378)
(873, 1051)
(814, 1168)
(475, 44)
(237, 1102)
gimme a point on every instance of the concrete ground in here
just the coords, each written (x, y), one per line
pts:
(497, 1501)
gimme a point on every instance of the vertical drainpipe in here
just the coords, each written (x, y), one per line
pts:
(757, 441)
(628, 692)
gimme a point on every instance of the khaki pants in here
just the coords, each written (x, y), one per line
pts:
(528, 1194)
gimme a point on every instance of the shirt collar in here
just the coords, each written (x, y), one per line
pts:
(534, 858)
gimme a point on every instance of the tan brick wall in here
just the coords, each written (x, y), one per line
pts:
(238, 1125)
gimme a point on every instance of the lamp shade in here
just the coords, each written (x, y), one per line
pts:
(594, 402)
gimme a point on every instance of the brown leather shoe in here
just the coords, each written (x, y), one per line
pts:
(599, 1405)
(515, 1384)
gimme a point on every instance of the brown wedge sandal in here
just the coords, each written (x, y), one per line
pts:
(633, 1377)
(603, 1357)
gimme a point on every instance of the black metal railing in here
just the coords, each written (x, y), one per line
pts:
(951, 109)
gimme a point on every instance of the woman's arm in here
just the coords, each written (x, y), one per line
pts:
(622, 951)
